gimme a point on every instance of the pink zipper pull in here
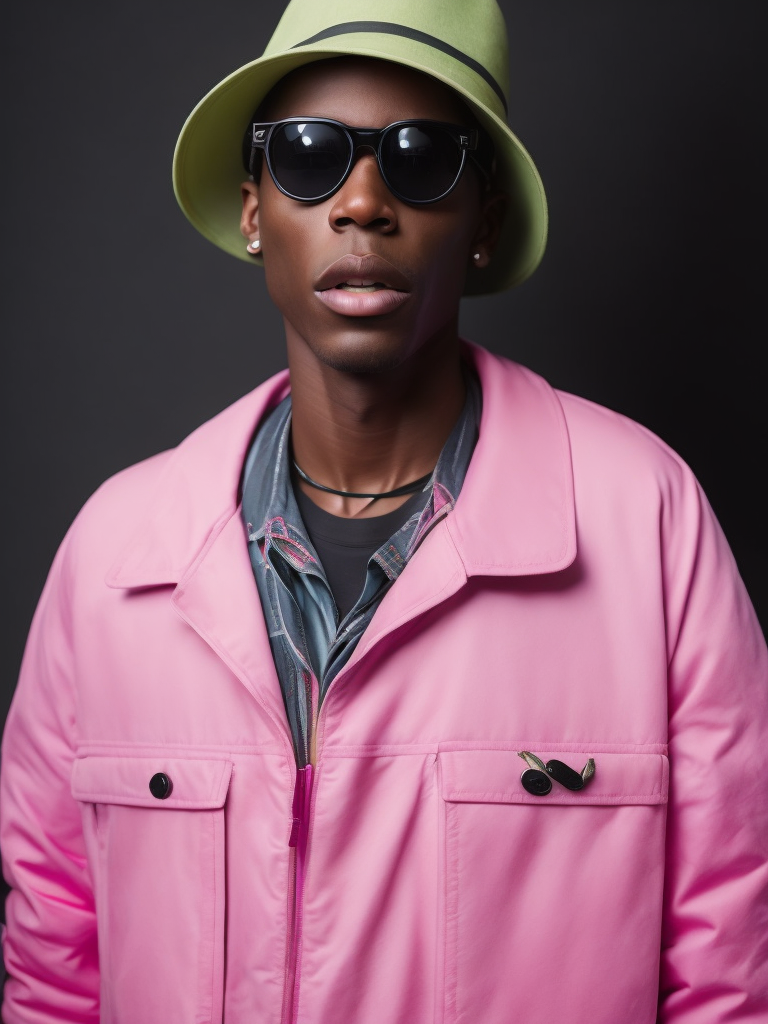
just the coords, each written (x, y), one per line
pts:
(300, 799)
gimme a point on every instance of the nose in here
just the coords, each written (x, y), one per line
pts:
(364, 200)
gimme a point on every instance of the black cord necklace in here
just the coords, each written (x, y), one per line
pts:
(411, 488)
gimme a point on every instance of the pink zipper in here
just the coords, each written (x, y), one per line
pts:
(302, 795)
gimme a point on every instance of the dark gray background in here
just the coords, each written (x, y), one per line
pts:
(123, 329)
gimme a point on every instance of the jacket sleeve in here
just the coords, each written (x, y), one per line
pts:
(50, 942)
(714, 959)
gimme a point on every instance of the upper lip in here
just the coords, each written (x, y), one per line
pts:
(368, 267)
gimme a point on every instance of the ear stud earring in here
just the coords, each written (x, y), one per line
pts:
(254, 246)
(476, 256)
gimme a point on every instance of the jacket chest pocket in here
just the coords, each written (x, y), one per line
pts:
(553, 902)
(155, 833)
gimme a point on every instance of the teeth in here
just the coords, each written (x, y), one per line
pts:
(360, 287)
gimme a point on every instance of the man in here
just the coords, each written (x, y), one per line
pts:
(407, 689)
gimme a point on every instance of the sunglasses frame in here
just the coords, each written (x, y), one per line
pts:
(468, 141)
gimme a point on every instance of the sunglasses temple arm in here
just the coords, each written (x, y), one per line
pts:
(258, 142)
(483, 170)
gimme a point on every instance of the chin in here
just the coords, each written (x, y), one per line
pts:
(363, 356)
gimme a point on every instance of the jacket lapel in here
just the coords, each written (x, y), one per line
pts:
(192, 537)
(219, 599)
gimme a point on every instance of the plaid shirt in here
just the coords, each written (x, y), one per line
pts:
(309, 644)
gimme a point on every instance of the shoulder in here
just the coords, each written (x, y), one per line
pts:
(628, 494)
(175, 496)
(634, 491)
(611, 444)
(602, 445)
(117, 503)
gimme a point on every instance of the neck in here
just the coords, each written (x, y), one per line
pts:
(372, 432)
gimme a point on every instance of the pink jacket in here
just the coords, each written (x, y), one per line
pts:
(579, 602)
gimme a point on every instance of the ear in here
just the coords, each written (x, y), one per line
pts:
(249, 219)
(492, 213)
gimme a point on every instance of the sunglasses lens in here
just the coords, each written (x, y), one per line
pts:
(309, 159)
(421, 162)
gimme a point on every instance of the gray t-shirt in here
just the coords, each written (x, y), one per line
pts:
(344, 546)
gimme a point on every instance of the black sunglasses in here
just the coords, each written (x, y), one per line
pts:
(420, 161)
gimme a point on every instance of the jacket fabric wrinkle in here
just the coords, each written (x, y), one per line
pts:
(437, 889)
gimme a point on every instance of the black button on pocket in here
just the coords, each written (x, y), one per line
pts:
(535, 782)
(160, 786)
(565, 775)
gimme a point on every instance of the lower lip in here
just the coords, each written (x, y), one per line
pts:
(385, 300)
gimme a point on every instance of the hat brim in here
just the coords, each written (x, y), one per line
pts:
(208, 170)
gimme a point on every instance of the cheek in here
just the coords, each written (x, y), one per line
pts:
(448, 234)
(446, 256)
(287, 237)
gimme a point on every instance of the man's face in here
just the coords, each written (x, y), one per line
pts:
(428, 249)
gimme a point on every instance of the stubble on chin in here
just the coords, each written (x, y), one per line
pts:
(363, 363)
(362, 356)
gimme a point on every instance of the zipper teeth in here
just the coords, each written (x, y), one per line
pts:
(287, 1013)
(297, 943)
(293, 973)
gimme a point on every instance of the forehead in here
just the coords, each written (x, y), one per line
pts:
(362, 91)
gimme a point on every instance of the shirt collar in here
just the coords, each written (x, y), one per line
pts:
(271, 511)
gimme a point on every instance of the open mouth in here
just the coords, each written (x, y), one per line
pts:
(362, 287)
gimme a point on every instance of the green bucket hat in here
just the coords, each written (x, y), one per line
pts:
(460, 43)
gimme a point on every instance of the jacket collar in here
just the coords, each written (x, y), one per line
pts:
(515, 514)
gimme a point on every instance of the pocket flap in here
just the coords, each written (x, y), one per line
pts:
(493, 776)
(194, 784)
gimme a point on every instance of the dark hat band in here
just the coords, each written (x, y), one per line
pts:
(393, 29)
